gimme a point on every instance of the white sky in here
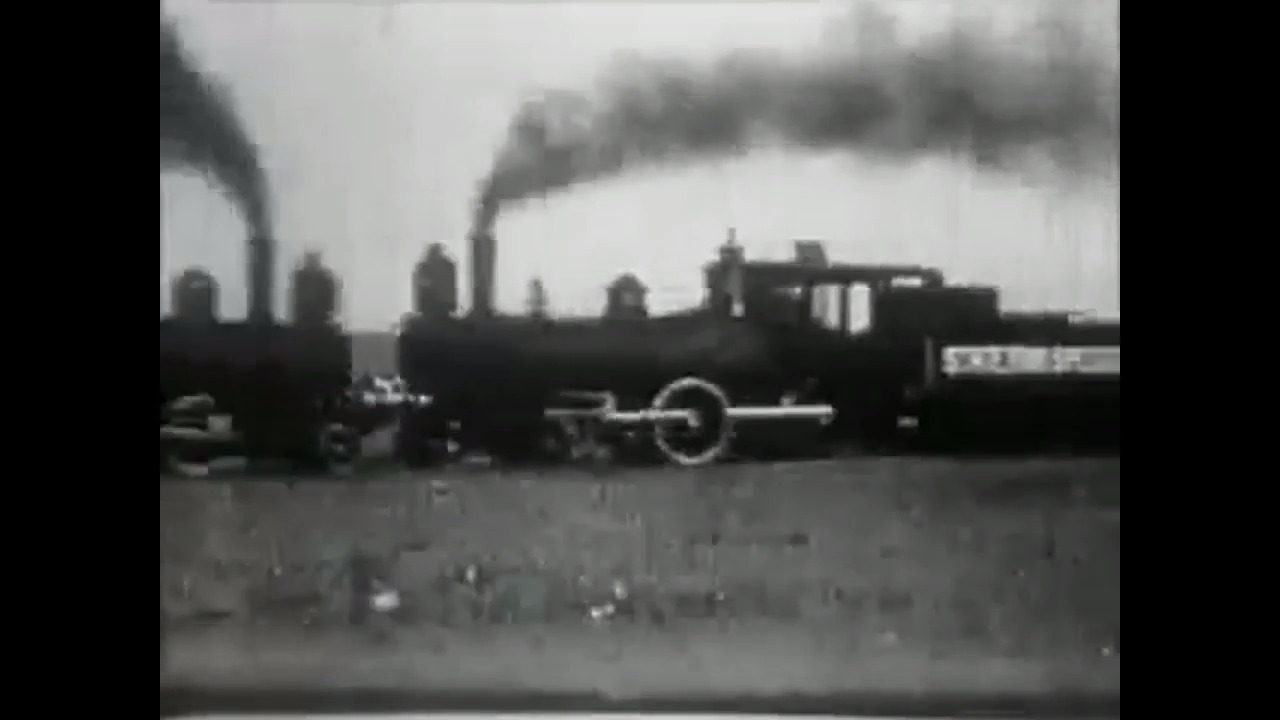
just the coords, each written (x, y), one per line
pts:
(376, 121)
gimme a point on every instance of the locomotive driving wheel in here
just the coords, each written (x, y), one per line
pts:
(336, 435)
(704, 437)
(338, 448)
(185, 462)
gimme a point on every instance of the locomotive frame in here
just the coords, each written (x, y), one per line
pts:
(263, 390)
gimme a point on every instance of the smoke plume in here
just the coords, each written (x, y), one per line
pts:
(956, 93)
(200, 130)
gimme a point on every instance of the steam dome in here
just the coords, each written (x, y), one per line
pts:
(315, 292)
(435, 283)
(195, 295)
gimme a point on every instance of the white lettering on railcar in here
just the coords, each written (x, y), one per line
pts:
(1000, 360)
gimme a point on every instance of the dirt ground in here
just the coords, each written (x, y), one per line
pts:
(891, 574)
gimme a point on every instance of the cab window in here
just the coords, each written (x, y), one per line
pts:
(840, 307)
(827, 307)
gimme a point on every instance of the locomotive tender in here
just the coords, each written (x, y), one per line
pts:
(936, 366)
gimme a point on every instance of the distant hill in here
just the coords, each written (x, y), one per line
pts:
(373, 352)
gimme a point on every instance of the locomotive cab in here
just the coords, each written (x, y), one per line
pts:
(836, 297)
(895, 348)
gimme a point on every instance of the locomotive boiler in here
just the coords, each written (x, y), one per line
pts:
(775, 344)
(513, 384)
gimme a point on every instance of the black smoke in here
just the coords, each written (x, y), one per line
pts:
(955, 93)
(201, 131)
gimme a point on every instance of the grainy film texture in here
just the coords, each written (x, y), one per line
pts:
(712, 349)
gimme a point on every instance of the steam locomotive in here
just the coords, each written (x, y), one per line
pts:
(936, 367)
(258, 388)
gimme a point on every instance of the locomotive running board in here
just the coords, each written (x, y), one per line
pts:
(819, 413)
(178, 432)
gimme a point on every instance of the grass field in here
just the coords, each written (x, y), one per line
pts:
(867, 574)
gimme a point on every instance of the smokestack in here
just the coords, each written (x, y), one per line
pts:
(262, 271)
(483, 259)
